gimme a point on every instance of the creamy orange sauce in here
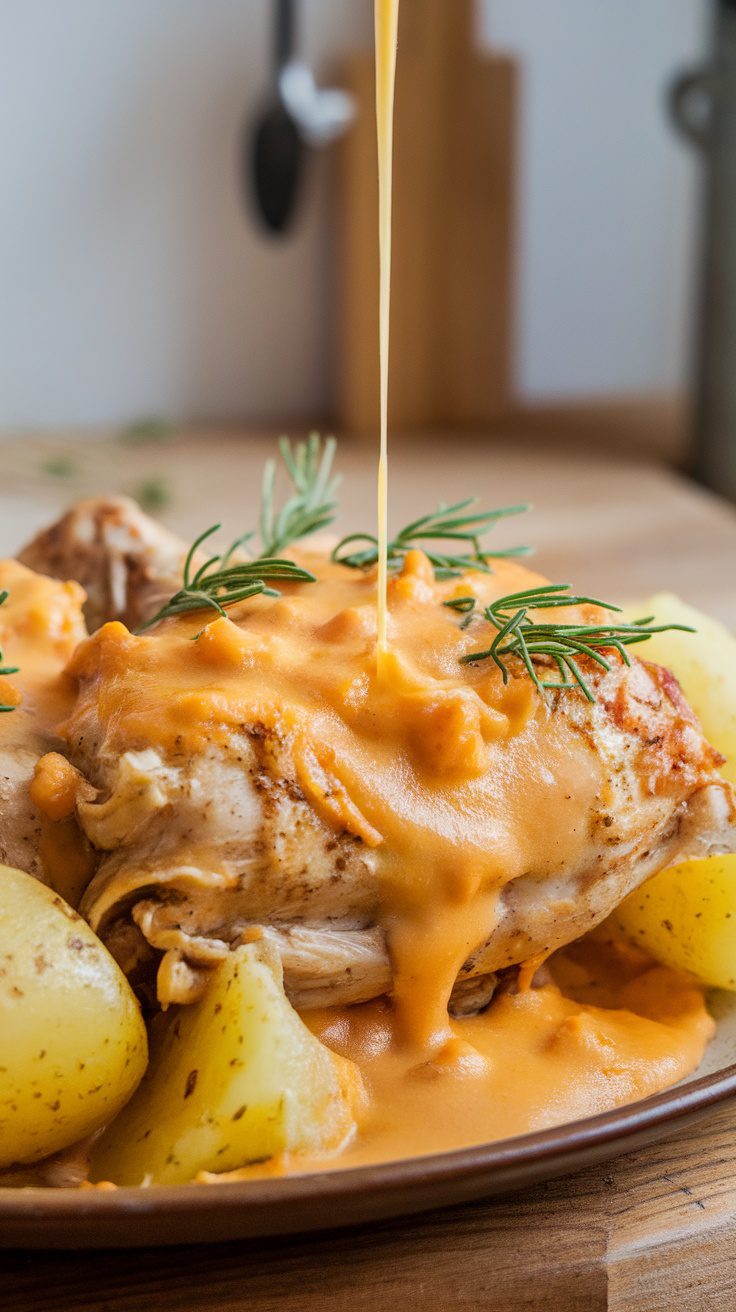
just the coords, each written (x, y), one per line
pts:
(609, 1027)
(41, 624)
(433, 765)
(605, 1033)
(458, 786)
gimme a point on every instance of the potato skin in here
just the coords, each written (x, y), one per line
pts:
(686, 916)
(234, 1078)
(73, 1043)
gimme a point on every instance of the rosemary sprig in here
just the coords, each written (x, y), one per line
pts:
(518, 634)
(6, 669)
(222, 581)
(313, 504)
(456, 523)
(219, 582)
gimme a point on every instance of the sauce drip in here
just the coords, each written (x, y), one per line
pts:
(387, 23)
(608, 1027)
(433, 922)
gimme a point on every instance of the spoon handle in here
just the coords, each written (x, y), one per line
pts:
(284, 33)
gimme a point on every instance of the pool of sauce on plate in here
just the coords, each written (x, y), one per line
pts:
(607, 1027)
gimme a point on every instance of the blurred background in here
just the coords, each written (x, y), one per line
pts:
(550, 220)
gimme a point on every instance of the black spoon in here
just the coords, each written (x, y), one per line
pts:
(274, 148)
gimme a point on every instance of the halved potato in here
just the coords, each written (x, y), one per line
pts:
(72, 1040)
(233, 1079)
(686, 916)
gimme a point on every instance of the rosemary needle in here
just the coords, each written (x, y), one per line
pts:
(455, 523)
(519, 635)
(465, 606)
(220, 582)
(6, 669)
(314, 501)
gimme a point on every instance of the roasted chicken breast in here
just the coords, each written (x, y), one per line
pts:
(263, 780)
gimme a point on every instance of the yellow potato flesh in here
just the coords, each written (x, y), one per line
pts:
(686, 916)
(233, 1079)
(72, 1040)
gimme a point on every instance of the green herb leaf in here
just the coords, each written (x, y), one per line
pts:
(465, 606)
(313, 503)
(147, 431)
(60, 466)
(456, 523)
(519, 635)
(219, 582)
(154, 493)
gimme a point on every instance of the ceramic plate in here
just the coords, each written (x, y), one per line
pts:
(186, 1214)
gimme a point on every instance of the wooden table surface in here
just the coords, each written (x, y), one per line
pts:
(653, 1230)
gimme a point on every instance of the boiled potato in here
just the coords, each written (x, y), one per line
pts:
(233, 1079)
(72, 1040)
(686, 916)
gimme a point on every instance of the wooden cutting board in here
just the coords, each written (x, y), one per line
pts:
(453, 216)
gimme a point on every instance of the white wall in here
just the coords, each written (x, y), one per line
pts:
(608, 194)
(130, 280)
(131, 283)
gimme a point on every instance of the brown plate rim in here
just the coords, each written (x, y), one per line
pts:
(310, 1201)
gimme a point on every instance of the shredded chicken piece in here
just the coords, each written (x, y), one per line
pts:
(126, 562)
